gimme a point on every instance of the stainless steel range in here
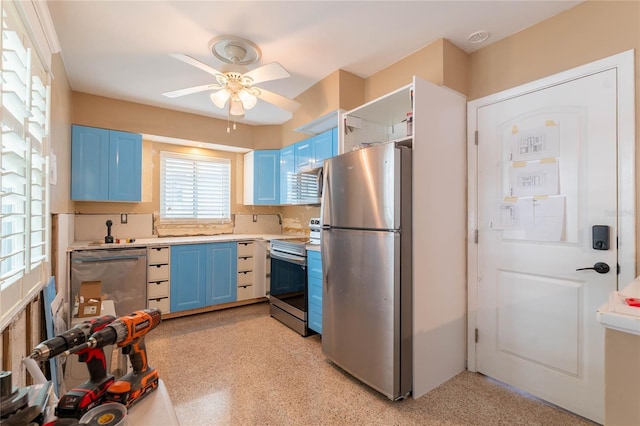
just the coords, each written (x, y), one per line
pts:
(288, 298)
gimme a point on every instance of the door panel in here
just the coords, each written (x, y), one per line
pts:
(547, 172)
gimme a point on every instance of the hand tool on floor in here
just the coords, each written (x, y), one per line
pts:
(92, 392)
(128, 332)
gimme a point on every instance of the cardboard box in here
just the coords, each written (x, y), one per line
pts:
(90, 299)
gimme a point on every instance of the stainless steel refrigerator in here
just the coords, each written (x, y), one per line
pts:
(366, 265)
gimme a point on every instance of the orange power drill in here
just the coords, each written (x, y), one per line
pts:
(127, 332)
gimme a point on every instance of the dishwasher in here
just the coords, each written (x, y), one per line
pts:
(122, 271)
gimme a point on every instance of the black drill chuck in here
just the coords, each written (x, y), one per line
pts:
(55, 346)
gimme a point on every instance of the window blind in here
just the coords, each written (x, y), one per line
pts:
(195, 187)
(24, 177)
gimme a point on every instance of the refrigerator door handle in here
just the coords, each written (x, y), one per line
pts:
(325, 216)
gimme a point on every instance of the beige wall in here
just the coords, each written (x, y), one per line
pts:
(60, 136)
(440, 62)
(339, 90)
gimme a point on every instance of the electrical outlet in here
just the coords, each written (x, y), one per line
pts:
(123, 218)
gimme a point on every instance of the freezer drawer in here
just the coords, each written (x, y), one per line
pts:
(363, 329)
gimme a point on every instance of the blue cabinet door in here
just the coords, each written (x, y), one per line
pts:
(287, 172)
(188, 276)
(106, 165)
(266, 177)
(323, 147)
(304, 154)
(314, 282)
(125, 168)
(221, 265)
(89, 163)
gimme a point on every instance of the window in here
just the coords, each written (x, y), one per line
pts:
(23, 181)
(195, 187)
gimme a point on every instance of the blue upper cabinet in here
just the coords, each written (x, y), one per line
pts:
(304, 154)
(262, 177)
(324, 145)
(106, 165)
(287, 172)
(125, 166)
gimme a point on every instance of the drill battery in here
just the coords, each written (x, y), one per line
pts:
(83, 398)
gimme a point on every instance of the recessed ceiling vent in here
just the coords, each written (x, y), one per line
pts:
(478, 37)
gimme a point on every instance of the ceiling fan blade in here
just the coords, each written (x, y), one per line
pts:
(272, 71)
(190, 90)
(278, 100)
(196, 63)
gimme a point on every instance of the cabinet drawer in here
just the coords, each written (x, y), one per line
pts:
(157, 289)
(158, 273)
(161, 303)
(245, 292)
(157, 255)
(245, 264)
(245, 249)
(245, 278)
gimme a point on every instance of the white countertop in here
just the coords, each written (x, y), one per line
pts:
(150, 242)
(617, 314)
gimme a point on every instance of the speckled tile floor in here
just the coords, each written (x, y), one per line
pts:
(239, 366)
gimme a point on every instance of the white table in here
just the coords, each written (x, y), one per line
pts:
(621, 357)
(155, 409)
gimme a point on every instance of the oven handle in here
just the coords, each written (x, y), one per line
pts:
(288, 258)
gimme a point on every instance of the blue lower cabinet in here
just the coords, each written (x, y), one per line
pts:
(202, 275)
(222, 273)
(314, 282)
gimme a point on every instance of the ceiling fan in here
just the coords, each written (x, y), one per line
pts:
(235, 87)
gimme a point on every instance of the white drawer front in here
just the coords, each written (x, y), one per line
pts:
(245, 278)
(157, 255)
(158, 272)
(162, 304)
(245, 292)
(157, 289)
(245, 249)
(245, 264)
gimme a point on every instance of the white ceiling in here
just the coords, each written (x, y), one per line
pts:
(121, 49)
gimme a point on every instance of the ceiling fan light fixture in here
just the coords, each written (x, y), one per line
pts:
(220, 97)
(235, 106)
(248, 99)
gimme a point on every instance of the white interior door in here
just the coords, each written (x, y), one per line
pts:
(547, 173)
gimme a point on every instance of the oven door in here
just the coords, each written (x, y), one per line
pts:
(289, 290)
